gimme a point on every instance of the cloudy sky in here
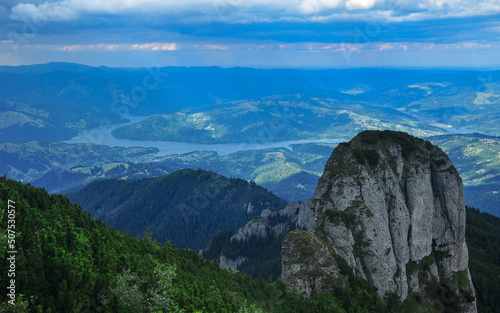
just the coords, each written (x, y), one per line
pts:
(252, 33)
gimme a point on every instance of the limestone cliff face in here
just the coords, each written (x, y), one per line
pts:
(266, 232)
(295, 214)
(229, 264)
(392, 206)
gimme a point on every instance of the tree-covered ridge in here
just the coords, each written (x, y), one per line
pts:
(30, 160)
(77, 177)
(483, 241)
(276, 118)
(69, 262)
(261, 254)
(186, 208)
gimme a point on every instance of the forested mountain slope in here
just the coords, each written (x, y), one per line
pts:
(185, 208)
(67, 261)
(483, 240)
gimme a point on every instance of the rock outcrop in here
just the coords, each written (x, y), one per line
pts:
(310, 266)
(256, 247)
(294, 215)
(228, 264)
(391, 207)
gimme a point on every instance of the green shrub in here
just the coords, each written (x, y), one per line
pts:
(335, 215)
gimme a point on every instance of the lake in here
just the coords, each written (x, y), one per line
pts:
(102, 136)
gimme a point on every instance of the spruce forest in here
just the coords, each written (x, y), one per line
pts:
(69, 262)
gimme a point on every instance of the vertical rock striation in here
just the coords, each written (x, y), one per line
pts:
(392, 206)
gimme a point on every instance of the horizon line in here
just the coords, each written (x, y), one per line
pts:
(388, 67)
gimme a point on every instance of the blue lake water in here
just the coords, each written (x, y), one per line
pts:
(102, 136)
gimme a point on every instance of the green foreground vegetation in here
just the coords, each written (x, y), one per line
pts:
(483, 241)
(68, 262)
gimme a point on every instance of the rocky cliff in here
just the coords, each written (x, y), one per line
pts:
(255, 248)
(390, 208)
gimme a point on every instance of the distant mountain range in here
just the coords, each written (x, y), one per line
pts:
(290, 174)
(53, 101)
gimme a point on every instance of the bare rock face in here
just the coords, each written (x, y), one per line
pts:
(229, 264)
(310, 266)
(236, 250)
(392, 206)
(295, 213)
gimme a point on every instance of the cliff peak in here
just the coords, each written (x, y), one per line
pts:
(390, 206)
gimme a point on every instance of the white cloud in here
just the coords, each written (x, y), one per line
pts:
(318, 6)
(210, 47)
(46, 11)
(375, 47)
(258, 10)
(148, 46)
(495, 29)
(154, 46)
(360, 4)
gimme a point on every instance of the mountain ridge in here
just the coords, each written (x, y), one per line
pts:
(186, 207)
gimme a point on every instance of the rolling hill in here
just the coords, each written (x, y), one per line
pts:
(31, 160)
(277, 118)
